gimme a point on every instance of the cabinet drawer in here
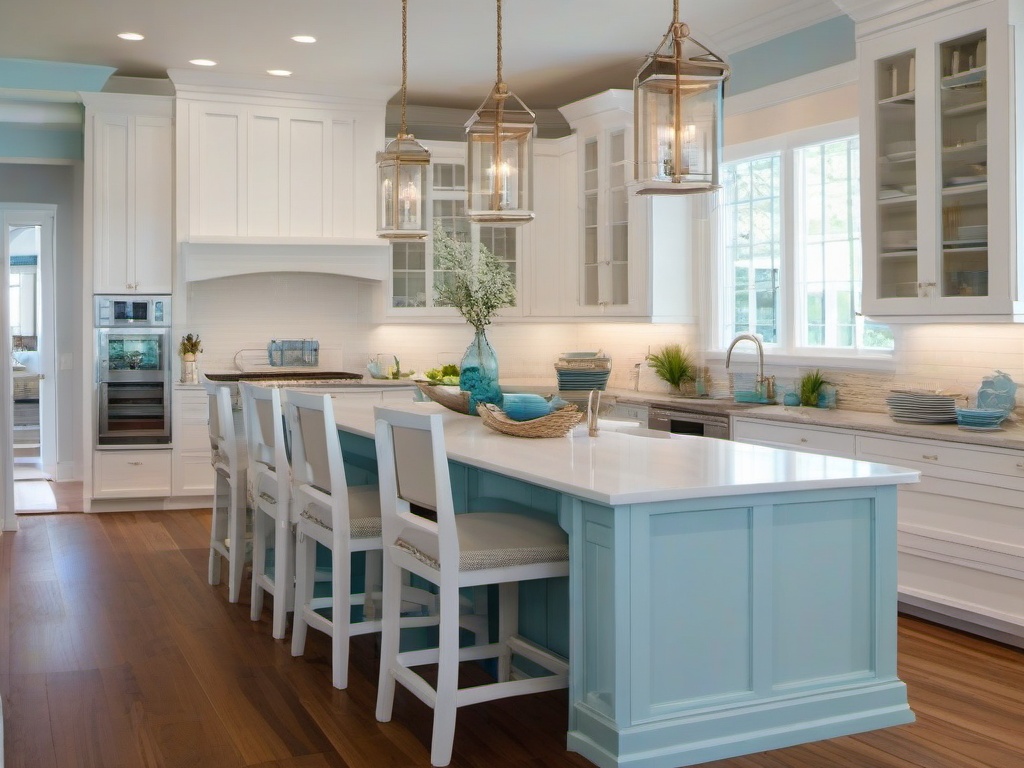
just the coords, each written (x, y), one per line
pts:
(798, 438)
(192, 438)
(131, 473)
(630, 413)
(940, 459)
(193, 475)
(193, 407)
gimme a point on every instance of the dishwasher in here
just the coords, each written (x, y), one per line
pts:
(682, 422)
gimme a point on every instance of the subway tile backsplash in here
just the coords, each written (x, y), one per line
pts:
(246, 312)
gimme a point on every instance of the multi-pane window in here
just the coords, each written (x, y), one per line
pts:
(753, 244)
(412, 262)
(792, 249)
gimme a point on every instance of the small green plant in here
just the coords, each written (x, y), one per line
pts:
(810, 385)
(474, 281)
(446, 374)
(190, 345)
(672, 364)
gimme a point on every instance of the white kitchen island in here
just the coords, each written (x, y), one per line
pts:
(723, 598)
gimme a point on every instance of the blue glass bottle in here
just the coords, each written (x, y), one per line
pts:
(478, 373)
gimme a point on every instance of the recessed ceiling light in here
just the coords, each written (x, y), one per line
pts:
(304, 39)
(203, 62)
(131, 36)
(279, 72)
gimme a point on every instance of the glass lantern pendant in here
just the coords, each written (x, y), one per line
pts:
(678, 113)
(402, 175)
(499, 162)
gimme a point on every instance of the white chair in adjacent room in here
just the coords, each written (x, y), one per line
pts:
(228, 523)
(269, 488)
(464, 550)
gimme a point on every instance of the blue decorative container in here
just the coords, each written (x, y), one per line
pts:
(478, 373)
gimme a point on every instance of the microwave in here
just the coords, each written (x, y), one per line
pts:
(114, 311)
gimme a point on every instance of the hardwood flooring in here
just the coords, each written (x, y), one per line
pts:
(115, 653)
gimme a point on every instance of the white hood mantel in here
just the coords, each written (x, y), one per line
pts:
(211, 258)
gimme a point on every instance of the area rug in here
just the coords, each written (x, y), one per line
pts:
(34, 497)
(29, 472)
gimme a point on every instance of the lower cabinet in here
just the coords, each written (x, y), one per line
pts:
(961, 528)
(131, 474)
(192, 471)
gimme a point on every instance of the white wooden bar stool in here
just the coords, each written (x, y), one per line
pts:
(457, 551)
(340, 518)
(269, 487)
(228, 523)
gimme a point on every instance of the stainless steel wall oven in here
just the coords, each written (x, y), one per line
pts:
(133, 370)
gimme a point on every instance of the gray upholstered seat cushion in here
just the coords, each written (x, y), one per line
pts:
(494, 540)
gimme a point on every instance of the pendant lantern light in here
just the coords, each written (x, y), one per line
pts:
(678, 96)
(402, 174)
(499, 162)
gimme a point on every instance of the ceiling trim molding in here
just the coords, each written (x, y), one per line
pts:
(189, 83)
(790, 17)
(62, 113)
(874, 16)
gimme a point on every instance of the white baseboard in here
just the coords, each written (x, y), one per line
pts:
(963, 618)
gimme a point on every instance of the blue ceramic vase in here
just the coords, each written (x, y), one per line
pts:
(478, 373)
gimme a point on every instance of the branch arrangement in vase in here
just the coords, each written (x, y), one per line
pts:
(477, 284)
(190, 345)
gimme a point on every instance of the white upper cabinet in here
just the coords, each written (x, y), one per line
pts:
(129, 159)
(939, 187)
(278, 169)
(634, 255)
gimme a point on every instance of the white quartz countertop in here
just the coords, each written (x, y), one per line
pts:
(616, 468)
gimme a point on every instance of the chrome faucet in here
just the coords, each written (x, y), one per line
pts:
(761, 384)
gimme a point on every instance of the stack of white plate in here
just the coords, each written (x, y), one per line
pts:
(921, 407)
(980, 419)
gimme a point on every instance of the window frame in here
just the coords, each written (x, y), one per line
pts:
(786, 350)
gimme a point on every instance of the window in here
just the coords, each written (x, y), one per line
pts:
(412, 262)
(791, 249)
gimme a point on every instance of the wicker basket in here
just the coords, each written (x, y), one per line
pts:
(457, 401)
(555, 424)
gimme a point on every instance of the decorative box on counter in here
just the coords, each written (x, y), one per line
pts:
(293, 352)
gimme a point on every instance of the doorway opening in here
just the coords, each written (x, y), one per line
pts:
(28, 257)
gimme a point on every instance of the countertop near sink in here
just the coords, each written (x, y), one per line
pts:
(1011, 436)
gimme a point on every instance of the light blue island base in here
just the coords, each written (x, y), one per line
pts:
(707, 629)
(714, 624)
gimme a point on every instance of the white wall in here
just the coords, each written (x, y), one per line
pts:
(59, 185)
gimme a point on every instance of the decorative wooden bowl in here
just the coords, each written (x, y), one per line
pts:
(454, 399)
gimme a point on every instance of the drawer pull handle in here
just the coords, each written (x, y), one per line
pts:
(1020, 465)
(135, 463)
(930, 456)
(803, 439)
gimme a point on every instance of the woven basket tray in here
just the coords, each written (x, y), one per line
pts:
(455, 401)
(555, 424)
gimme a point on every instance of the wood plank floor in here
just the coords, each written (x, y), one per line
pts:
(115, 653)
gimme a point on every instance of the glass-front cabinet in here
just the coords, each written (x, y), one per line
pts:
(939, 239)
(413, 274)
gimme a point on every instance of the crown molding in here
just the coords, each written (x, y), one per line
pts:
(788, 17)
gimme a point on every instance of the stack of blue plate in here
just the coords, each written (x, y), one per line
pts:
(577, 378)
(980, 419)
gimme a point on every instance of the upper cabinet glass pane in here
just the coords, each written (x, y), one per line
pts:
(964, 166)
(896, 82)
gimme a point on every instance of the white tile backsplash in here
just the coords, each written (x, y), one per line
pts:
(246, 312)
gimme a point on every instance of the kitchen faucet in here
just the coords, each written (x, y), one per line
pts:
(760, 381)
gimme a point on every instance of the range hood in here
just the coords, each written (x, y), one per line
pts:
(210, 258)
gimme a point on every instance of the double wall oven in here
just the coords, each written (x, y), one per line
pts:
(133, 371)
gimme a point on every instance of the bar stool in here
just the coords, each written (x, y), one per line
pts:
(269, 485)
(457, 551)
(230, 516)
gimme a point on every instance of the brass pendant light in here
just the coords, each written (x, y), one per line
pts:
(678, 96)
(499, 161)
(402, 174)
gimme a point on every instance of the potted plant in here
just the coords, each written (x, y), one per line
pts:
(189, 347)
(477, 284)
(810, 387)
(672, 364)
